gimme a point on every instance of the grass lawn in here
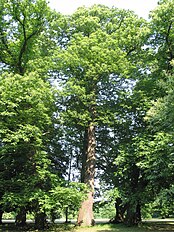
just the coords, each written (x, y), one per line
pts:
(145, 227)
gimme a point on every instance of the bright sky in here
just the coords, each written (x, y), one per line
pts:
(140, 7)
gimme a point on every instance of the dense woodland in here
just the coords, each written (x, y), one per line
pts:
(84, 98)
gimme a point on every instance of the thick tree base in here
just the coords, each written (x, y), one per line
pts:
(116, 220)
(133, 216)
(21, 218)
(85, 217)
(40, 221)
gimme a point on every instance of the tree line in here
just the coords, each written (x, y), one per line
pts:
(89, 94)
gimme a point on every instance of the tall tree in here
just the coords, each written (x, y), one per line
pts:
(123, 161)
(151, 146)
(26, 43)
(161, 114)
(27, 106)
(102, 48)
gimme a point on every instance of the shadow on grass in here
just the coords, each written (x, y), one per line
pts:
(30, 227)
(159, 226)
(103, 227)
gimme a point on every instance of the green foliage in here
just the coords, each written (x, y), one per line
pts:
(160, 115)
(113, 70)
(21, 24)
(94, 59)
(70, 196)
(10, 215)
(163, 205)
(27, 36)
(27, 129)
(26, 119)
(105, 208)
(161, 38)
(25, 108)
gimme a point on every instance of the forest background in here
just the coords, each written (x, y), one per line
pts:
(83, 97)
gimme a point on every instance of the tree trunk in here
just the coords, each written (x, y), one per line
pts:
(130, 217)
(66, 215)
(21, 218)
(120, 211)
(84, 155)
(85, 216)
(40, 221)
(1, 213)
(133, 216)
(138, 213)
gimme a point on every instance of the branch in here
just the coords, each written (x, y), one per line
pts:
(24, 46)
(129, 52)
(168, 42)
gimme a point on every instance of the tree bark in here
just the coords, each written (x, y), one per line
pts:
(85, 216)
(138, 213)
(84, 155)
(40, 221)
(120, 211)
(133, 216)
(1, 213)
(21, 218)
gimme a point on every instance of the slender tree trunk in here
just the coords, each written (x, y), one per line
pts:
(53, 215)
(1, 213)
(21, 218)
(85, 216)
(138, 213)
(84, 155)
(66, 215)
(1, 210)
(69, 179)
